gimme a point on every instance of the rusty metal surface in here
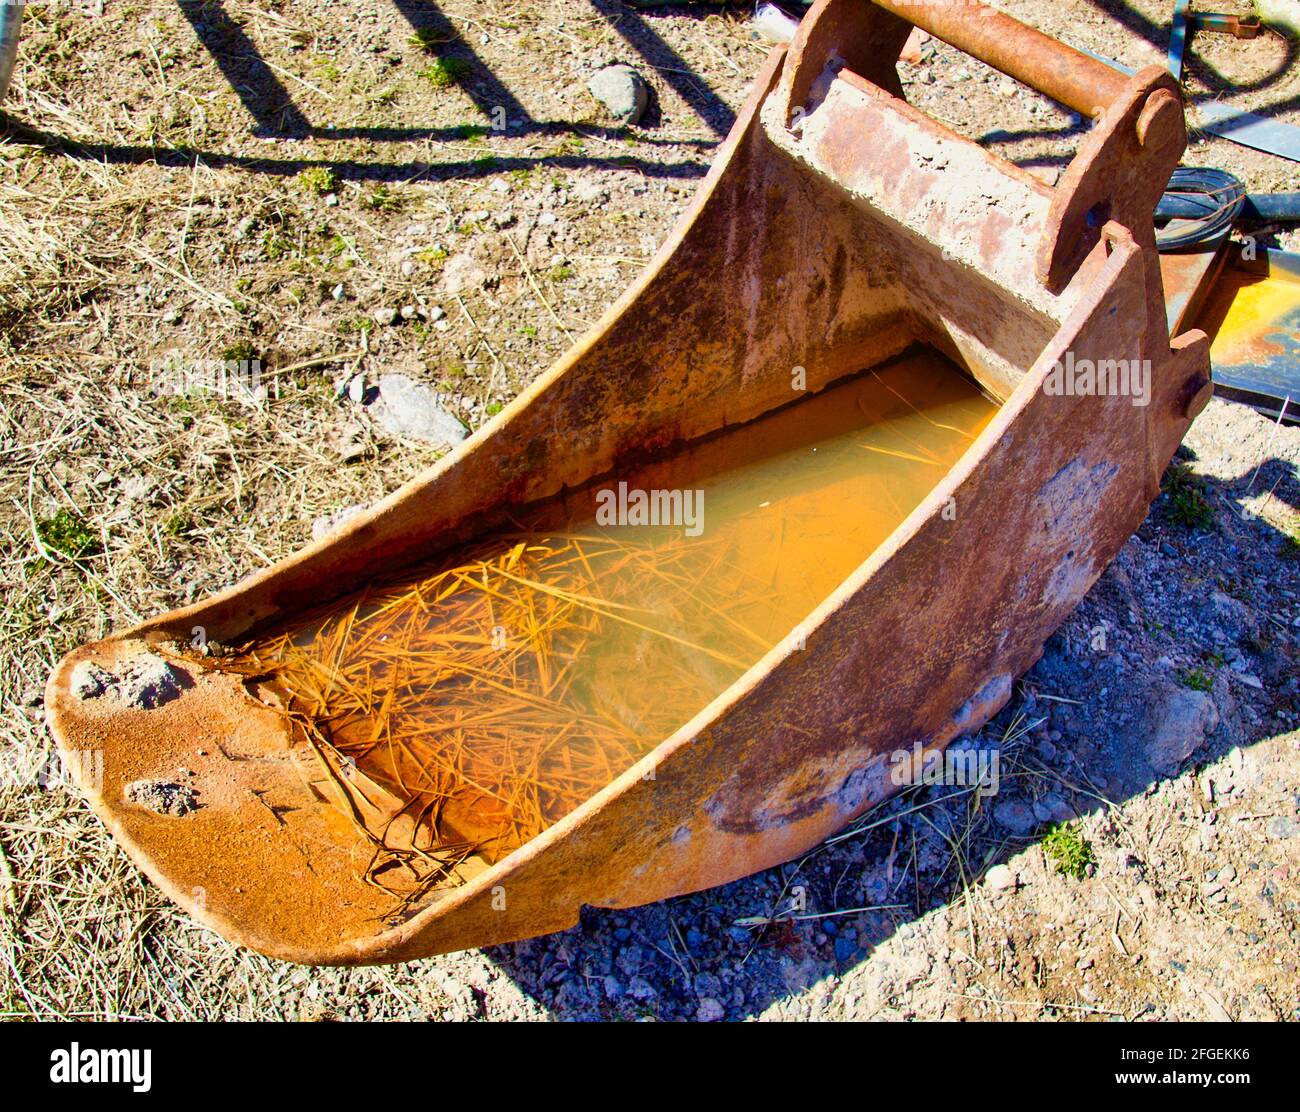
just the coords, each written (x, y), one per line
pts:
(799, 250)
(1037, 60)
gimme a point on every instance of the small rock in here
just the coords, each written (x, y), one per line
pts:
(622, 91)
(408, 312)
(385, 315)
(151, 681)
(1283, 827)
(1015, 816)
(1001, 878)
(710, 1010)
(348, 442)
(1177, 723)
(1053, 808)
(410, 410)
(640, 989)
(337, 292)
(163, 797)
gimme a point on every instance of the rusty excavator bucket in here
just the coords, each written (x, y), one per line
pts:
(811, 495)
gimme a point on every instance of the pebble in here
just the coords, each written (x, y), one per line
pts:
(1001, 878)
(622, 91)
(1015, 816)
(710, 1010)
(385, 315)
(410, 410)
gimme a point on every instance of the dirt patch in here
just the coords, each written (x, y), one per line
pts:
(163, 797)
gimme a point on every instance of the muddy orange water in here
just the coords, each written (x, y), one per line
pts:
(473, 703)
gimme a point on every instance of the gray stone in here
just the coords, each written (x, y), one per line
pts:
(1053, 808)
(385, 315)
(1014, 816)
(1000, 878)
(1233, 615)
(408, 409)
(622, 91)
(710, 1010)
(90, 681)
(1178, 721)
(1283, 827)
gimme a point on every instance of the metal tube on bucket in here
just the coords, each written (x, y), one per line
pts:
(1066, 75)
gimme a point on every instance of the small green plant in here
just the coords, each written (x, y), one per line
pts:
(493, 409)
(433, 256)
(1068, 850)
(473, 134)
(561, 273)
(1188, 505)
(443, 73)
(382, 199)
(241, 351)
(66, 534)
(1196, 679)
(178, 524)
(320, 180)
(276, 246)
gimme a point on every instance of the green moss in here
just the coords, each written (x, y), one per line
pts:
(241, 351)
(66, 534)
(443, 73)
(178, 524)
(382, 199)
(1196, 679)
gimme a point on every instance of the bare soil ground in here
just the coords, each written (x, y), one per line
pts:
(269, 179)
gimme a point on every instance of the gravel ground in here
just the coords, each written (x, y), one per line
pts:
(162, 191)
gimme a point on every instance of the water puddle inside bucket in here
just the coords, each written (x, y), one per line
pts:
(466, 707)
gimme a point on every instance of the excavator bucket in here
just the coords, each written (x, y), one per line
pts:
(792, 517)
